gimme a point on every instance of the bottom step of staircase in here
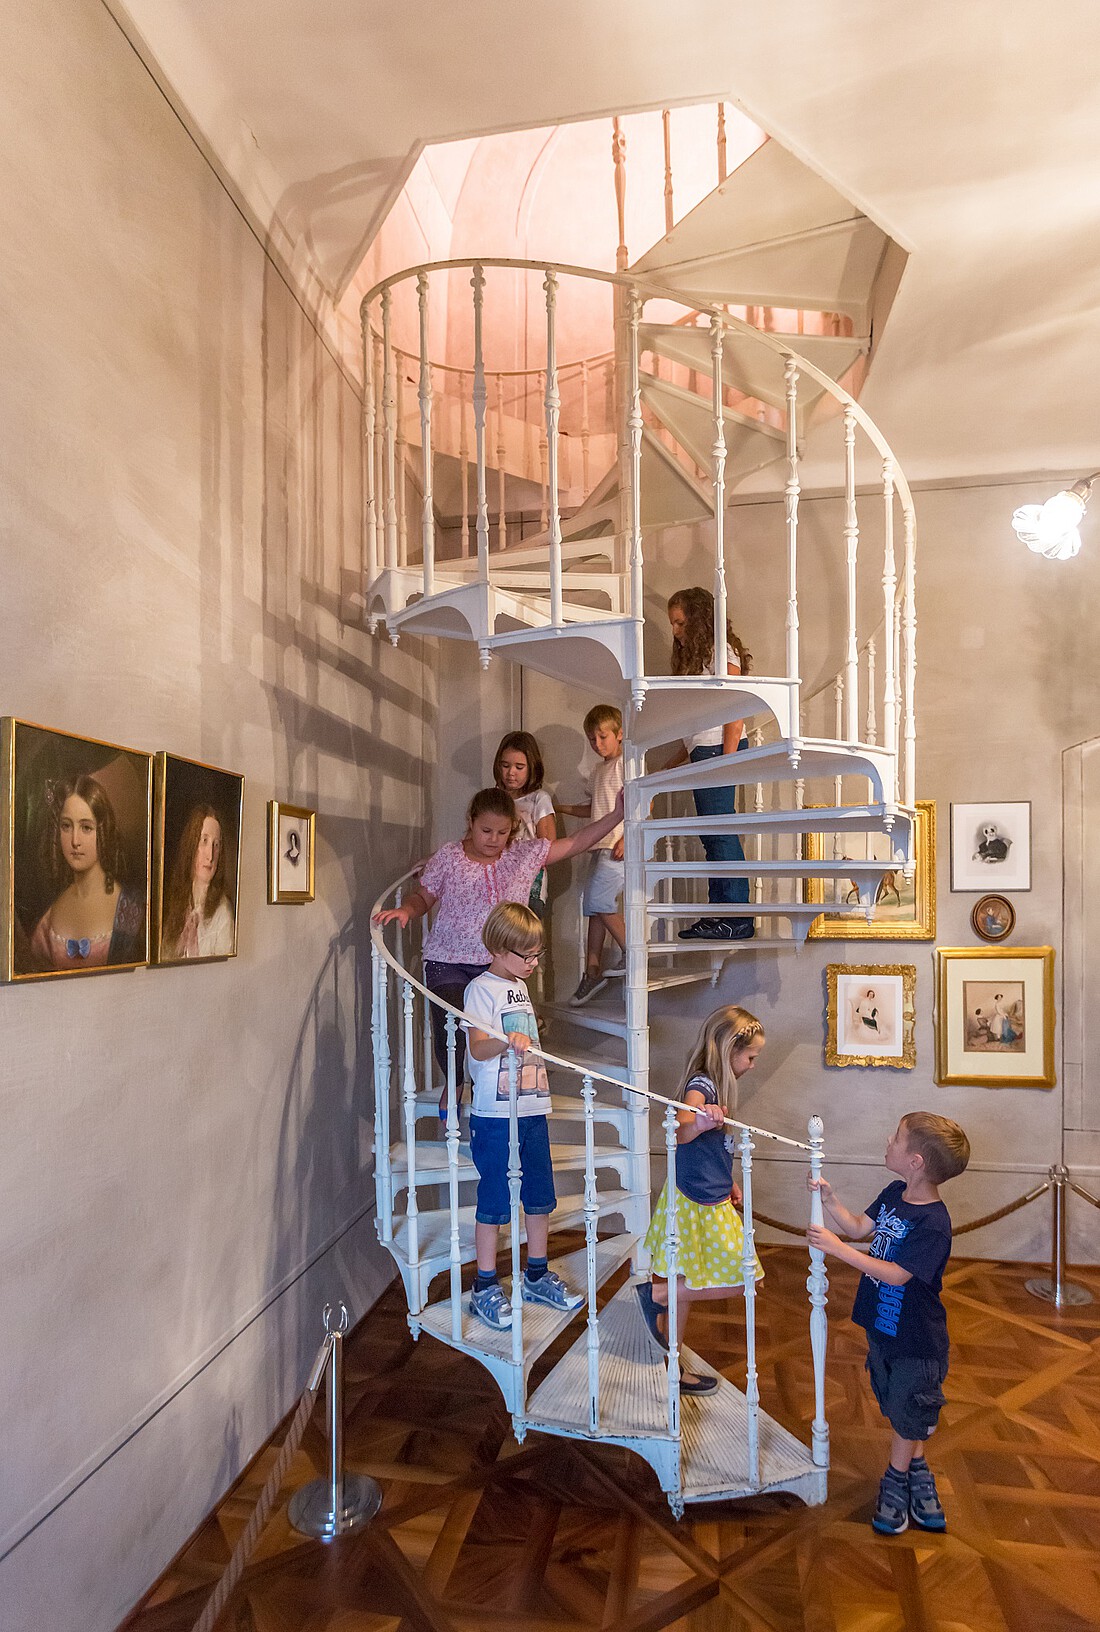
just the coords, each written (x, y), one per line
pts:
(633, 1411)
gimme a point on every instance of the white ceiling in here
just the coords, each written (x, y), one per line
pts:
(969, 129)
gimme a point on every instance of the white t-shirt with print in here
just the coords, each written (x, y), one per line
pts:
(713, 737)
(498, 1005)
(531, 808)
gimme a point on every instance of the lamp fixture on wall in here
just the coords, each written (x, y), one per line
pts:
(1050, 529)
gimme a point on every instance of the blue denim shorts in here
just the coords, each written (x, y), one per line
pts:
(603, 888)
(909, 1390)
(489, 1149)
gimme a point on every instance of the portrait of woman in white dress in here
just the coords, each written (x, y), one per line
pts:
(198, 810)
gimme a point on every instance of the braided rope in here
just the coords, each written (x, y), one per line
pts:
(261, 1513)
(957, 1229)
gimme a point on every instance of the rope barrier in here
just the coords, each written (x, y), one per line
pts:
(1084, 1194)
(958, 1229)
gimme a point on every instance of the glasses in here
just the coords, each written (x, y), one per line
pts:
(529, 957)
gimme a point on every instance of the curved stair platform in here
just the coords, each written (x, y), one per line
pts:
(786, 760)
(658, 717)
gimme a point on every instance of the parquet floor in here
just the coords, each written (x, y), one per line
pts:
(478, 1534)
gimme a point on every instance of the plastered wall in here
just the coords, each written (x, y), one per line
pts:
(185, 1166)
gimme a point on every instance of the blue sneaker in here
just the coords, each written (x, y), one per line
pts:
(891, 1515)
(492, 1307)
(551, 1290)
(925, 1508)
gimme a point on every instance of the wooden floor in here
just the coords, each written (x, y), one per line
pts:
(477, 1534)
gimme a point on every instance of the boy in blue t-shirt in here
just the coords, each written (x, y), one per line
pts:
(899, 1304)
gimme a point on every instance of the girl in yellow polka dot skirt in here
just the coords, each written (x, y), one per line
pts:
(711, 1238)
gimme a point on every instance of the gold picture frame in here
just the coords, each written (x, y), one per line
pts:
(48, 931)
(188, 795)
(995, 1016)
(291, 845)
(919, 925)
(871, 1014)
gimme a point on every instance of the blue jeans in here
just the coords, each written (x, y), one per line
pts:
(723, 892)
(489, 1139)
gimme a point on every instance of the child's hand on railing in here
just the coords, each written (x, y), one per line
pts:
(519, 1042)
(736, 1195)
(709, 1116)
(393, 915)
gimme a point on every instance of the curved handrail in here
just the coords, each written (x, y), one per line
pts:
(593, 361)
(656, 291)
(378, 942)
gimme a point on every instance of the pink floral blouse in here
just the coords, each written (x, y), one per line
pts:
(467, 891)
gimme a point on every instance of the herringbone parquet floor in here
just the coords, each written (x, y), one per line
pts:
(477, 1534)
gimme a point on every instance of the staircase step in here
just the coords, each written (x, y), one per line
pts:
(610, 1021)
(752, 909)
(733, 949)
(817, 757)
(431, 1155)
(680, 705)
(434, 1227)
(633, 1409)
(838, 819)
(541, 1325)
(564, 1107)
(750, 366)
(840, 868)
(750, 444)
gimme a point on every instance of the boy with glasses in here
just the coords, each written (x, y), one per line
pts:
(497, 1004)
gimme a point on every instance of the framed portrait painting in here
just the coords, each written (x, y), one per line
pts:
(991, 847)
(871, 1014)
(196, 861)
(904, 908)
(993, 918)
(995, 1016)
(291, 834)
(75, 848)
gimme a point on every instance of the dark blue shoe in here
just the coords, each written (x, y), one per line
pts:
(925, 1508)
(720, 929)
(650, 1312)
(891, 1515)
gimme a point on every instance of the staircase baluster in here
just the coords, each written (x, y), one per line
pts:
(553, 417)
(666, 121)
(721, 143)
(477, 283)
(380, 1040)
(451, 1026)
(897, 649)
(909, 615)
(718, 456)
(889, 595)
(800, 782)
(791, 494)
(464, 465)
(402, 474)
(672, 1265)
(544, 516)
(635, 506)
(502, 450)
(748, 1272)
(636, 982)
(412, 1209)
(586, 434)
(817, 1285)
(758, 805)
(425, 398)
(379, 453)
(591, 1216)
(618, 160)
(389, 404)
(838, 706)
(370, 539)
(851, 545)
(872, 710)
(515, 1174)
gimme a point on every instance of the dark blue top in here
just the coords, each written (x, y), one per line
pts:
(704, 1167)
(907, 1320)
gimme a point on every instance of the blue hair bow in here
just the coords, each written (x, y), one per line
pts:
(78, 949)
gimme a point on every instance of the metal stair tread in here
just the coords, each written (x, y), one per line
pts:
(567, 1107)
(590, 1018)
(818, 757)
(541, 1324)
(751, 909)
(434, 1226)
(841, 867)
(839, 819)
(431, 1156)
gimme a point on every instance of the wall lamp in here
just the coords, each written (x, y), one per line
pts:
(1050, 529)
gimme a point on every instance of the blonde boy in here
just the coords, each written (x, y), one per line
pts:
(603, 890)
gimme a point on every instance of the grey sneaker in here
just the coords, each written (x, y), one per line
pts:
(589, 986)
(925, 1508)
(891, 1515)
(491, 1306)
(552, 1290)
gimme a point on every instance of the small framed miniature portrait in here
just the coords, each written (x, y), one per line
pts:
(871, 1014)
(995, 1016)
(291, 832)
(74, 852)
(991, 846)
(196, 861)
(993, 918)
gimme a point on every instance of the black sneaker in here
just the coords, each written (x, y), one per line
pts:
(720, 929)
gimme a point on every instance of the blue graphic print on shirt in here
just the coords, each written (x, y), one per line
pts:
(907, 1319)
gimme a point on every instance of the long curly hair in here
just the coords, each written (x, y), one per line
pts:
(178, 902)
(109, 848)
(693, 652)
(723, 1034)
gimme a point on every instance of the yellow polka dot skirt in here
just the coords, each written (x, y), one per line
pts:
(712, 1241)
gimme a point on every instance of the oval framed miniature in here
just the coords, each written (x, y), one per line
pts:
(993, 918)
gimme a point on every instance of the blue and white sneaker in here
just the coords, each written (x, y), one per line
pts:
(891, 1515)
(925, 1509)
(491, 1306)
(551, 1290)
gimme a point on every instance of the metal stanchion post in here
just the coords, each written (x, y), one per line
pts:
(1054, 1288)
(332, 1507)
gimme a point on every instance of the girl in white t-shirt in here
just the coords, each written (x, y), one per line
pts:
(518, 770)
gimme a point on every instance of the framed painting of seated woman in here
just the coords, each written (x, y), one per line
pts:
(196, 861)
(75, 853)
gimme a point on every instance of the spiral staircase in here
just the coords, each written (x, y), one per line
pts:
(719, 401)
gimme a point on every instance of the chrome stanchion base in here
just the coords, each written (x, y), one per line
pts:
(1042, 1286)
(310, 1510)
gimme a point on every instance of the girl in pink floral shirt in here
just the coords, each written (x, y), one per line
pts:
(467, 880)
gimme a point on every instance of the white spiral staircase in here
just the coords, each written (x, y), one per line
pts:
(568, 600)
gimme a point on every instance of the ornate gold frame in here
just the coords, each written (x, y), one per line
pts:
(275, 809)
(907, 1059)
(947, 955)
(828, 928)
(156, 899)
(9, 725)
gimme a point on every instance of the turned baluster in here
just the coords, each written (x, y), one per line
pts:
(666, 120)
(552, 402)
(412, 1210)
(791, 495)
(399, 454)
(909, 615)
(748, 1274)
(515, 1175)
(370, 536)
(380, 1039)
(889, 596)
(721, 143)
(425, 397)
(477, 283)
(451, 1026)
(591, 1219)
(851, 545)
(718, 457)
(586, 437)
(464, 465)
(817, 1286)
(389, 408)
(502, 449)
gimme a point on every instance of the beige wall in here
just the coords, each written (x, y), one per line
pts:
(186, 1160)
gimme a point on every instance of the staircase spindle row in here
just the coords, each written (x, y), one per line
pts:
(748, 1274)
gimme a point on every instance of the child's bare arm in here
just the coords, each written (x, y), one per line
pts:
(857, 1226)
(698, 1119)
(880, 1269)
(574, 810)
(484, 1047)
